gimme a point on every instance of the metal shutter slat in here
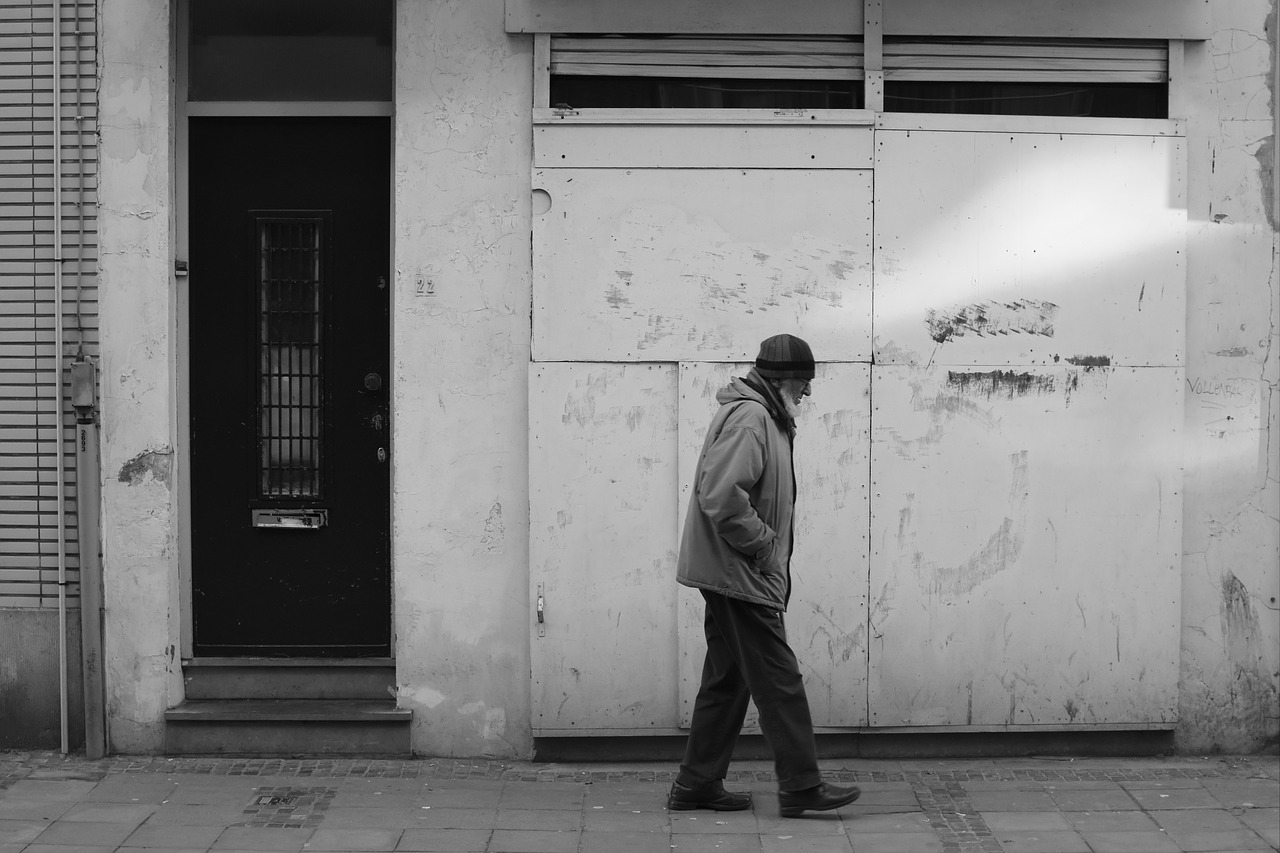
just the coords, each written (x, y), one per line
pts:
(1091, 61)
(772, 59)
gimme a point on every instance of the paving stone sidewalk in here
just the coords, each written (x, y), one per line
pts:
(52, 804)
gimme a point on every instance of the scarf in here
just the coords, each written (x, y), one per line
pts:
(773, 402)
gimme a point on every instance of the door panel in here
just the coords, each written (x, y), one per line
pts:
(1029, 248)
(602, 470)
(1026, 546)
(1029, 307)
(289, 345)
(700, 264)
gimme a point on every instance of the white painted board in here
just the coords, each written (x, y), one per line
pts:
(749, 146)
(602, 474)
(700, 264)
(1029, 248)
(826, 621)
(1026, 546)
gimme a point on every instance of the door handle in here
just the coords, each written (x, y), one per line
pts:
(372, 381)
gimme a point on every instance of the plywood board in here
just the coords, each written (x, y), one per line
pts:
(602, 474)
(1029, 248)
(826, 621)
(745, 146)
(700, 264)
(1026, 536)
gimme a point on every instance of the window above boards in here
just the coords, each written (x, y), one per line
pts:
(1113, 78)
(1118, 78)
(705, 72)
(289, 50)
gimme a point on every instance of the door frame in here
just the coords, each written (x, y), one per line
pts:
(183, 111)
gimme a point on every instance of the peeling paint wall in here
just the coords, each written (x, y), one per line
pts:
(1230, 684)
(138, 522)
(461, 350)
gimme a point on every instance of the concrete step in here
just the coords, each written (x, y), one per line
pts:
(296, 727)
(289, 678)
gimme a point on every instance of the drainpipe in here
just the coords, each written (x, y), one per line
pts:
(88, 492)
(57, 372)
(84, 399)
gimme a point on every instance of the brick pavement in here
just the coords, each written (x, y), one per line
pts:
(51, 804)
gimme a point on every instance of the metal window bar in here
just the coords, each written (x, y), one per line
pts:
(290, 380)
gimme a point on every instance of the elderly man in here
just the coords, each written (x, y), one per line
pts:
(736, 550)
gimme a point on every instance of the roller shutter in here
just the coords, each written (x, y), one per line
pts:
(1026, 60)
(709, 57)
(30, 424)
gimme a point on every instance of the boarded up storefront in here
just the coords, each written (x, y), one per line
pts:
(989, 517)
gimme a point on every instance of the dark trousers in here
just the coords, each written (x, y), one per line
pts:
(748, 658)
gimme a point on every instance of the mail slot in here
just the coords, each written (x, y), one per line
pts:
(291, 519)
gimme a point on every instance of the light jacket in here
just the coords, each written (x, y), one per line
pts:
(742, 504)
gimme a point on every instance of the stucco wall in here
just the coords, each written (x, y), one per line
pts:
(1231, 577)
(137, 320)
(463, 137)
(461, 344)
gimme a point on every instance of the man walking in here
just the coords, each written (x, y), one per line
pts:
(736, 549)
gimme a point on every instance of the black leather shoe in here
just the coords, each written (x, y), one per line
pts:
(819, 798)
(712, 796)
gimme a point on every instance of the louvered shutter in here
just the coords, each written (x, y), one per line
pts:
(30, 424)
(1026, 60)
(710, 57)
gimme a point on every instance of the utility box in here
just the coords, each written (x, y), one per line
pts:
(84, 385)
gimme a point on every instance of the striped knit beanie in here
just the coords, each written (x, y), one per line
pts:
(785, 357)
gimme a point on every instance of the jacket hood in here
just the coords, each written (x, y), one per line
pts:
(738, 390)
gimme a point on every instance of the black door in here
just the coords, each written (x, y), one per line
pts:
(289, 385)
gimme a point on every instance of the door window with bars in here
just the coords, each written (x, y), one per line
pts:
(290, 361)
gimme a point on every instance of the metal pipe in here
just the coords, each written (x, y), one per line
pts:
(60, 452)
(79, 268)
(88, 494)
(84, 399)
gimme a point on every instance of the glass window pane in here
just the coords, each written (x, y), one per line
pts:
(290, 284)
(1109, 100)
(290, 50)
(704, 93)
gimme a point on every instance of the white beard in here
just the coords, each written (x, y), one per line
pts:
(793, 408)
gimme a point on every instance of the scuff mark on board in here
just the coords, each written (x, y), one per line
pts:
(942, 409)
(1003, 383)
(1001, 551)
(841, 269)
(615, 295)
(1090, 361)
(1021, 316)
